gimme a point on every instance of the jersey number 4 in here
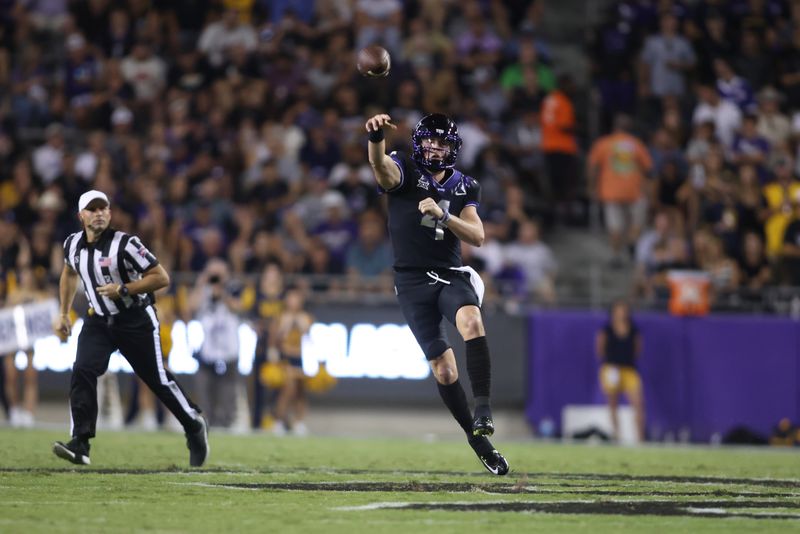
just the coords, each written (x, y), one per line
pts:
(430, 222)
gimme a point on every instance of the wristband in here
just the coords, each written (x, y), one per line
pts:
(376, 136)
(444, 219)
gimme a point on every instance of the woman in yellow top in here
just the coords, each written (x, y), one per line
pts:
(267, 305)
(290, 327)
(781, 195)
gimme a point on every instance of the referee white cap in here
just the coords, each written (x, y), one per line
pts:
(88, 196)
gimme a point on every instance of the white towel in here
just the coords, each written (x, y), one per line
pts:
(475, 280)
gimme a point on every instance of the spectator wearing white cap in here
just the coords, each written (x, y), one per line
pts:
(121, 117)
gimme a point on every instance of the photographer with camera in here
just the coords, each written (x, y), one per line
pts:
(214, 305)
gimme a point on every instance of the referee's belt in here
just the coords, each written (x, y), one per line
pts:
(110, 318)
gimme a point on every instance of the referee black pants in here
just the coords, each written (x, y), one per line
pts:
(135, 333)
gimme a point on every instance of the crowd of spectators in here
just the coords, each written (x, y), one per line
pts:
(713, 88)
(235, 128)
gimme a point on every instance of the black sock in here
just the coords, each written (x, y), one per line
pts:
(456, 401)
(479, 369)
(483, 410)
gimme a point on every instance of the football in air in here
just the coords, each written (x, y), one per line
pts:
(374, 61)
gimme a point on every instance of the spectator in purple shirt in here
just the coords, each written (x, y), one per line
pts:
(750, 148)
(81, 74)
(732, 87)
(336, 231)
(320, 152)
(479, 39)
(30, 94)
(370, 256)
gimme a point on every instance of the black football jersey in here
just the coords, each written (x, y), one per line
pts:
(418, 240)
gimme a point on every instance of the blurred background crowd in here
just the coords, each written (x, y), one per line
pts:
(617, 142)
(233, 129)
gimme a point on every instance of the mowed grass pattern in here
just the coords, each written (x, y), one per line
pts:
(141, 482)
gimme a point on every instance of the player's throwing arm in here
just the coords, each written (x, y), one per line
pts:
(387, 174)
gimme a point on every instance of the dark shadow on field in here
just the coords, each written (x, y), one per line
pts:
(561, 477)
(537, 488)
(599, 489)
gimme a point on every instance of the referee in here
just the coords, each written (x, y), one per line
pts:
(119, 276)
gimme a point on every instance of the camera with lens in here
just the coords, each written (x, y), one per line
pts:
(214, 279)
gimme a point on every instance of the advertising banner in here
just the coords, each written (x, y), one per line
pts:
(21, 326)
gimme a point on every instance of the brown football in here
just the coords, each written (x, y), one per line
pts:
(374, 61)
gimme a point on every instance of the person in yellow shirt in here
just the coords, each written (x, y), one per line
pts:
(292, 324)
(243, 9)
(781, 195)
(789, 264)
(267, 306)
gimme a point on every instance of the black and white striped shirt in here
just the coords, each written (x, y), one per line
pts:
(114, 258)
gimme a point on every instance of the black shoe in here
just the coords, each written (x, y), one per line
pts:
(482, 425)
(197, 443)
(76, 451)
(492, 460)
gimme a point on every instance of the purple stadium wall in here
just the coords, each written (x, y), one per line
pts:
(705, 375)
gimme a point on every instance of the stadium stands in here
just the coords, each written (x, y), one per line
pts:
(236, 132)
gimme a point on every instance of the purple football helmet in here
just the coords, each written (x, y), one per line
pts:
(435, 126)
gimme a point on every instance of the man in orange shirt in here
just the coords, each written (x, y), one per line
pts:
(559, 144)
(618, 167)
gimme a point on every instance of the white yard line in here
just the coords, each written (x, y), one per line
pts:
(372, 506)
(719, 511)
(215, 486)
(393, 504)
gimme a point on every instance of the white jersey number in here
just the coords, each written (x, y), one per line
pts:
(430, 222)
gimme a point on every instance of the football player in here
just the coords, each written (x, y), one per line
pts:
(432, 208)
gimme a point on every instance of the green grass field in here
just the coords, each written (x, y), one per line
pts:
(142, 482)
